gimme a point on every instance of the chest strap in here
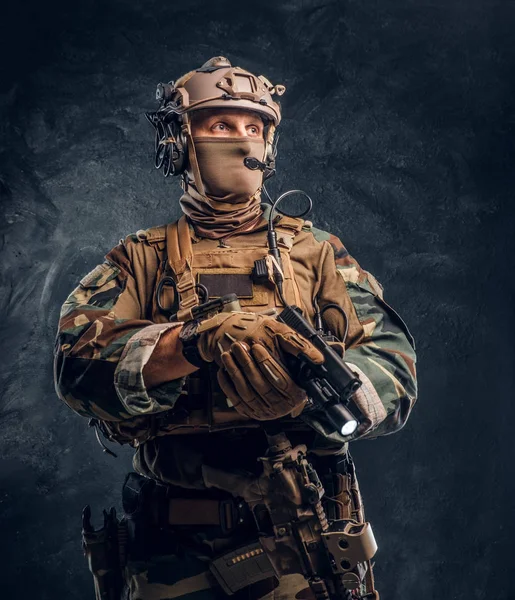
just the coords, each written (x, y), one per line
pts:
(180, 258)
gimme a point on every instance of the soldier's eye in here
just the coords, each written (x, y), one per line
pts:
(219, 127)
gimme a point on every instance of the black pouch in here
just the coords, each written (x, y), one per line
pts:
(139, 507)
(136, 493)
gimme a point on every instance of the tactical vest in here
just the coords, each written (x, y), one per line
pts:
(222, 267)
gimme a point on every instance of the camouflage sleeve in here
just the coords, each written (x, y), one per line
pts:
(103, 342)
(379, 346)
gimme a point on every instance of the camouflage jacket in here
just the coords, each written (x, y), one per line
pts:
(110, 324)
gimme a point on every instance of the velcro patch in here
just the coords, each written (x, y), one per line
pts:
(100, 275)
(227, 283)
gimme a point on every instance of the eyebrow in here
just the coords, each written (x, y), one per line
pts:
(215, 118)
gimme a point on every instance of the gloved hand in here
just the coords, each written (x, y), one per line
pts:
(251, 351)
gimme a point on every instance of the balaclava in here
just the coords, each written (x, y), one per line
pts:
(231, 199)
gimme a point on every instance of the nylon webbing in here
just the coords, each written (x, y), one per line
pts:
(358, 513)
(371, 592)
(292, 223)
(196, 511)
(180, 258)
(186, 130)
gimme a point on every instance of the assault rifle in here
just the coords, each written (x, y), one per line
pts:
(329, 385)
(295, 534)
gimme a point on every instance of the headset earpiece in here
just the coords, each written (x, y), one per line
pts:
(171, 148)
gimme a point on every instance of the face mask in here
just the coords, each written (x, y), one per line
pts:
(224, 174)
(230, 203)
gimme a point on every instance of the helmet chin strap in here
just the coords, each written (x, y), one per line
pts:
(270, 151)
(270, 138)
(186, 130)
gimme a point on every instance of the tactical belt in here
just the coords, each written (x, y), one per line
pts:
(204, 511)
(165, 506)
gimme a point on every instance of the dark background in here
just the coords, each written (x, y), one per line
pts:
(399, 121)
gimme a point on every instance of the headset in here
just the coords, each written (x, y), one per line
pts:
(170, 144)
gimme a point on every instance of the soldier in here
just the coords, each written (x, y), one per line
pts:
(197, 396)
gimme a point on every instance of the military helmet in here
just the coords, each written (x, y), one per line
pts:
(216, 84)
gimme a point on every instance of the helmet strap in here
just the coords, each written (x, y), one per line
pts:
(186, 130)
(269, 150)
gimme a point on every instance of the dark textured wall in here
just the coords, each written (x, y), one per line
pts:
(399, 121)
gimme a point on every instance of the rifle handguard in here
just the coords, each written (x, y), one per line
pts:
(329, 384)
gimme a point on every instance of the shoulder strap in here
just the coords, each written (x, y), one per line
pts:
(152, 234)
(292, 223)
(287, 228)
(180, 257)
